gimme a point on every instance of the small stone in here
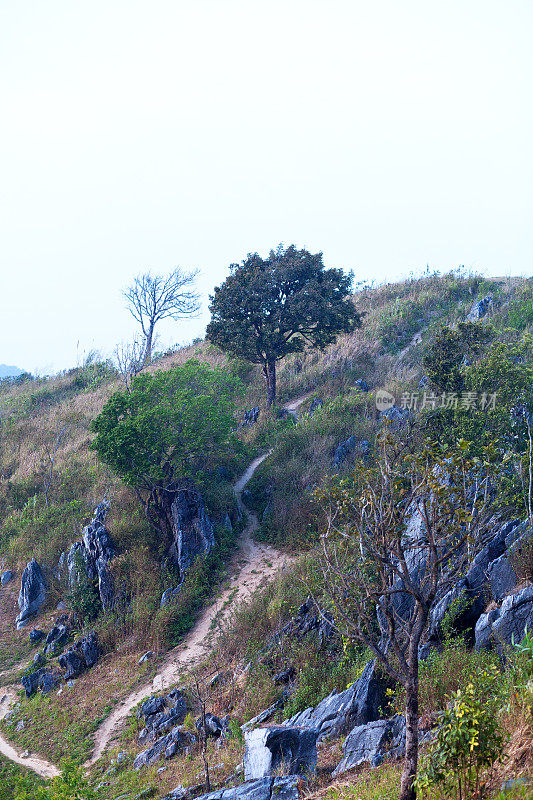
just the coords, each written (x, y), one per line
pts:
(146, 657)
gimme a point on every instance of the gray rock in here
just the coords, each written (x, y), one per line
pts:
(40, 679)
(6, 577)
(262, 789)
(146, 657)
(316, 404)
(397, 417)
(372, 742)
(344, 450)
(192, 530)
(48, 682)
(32, 595)
(169, 596)
(179, 793)
(58, 635)
(92, 556)
(72, 663)
(178, 736)
(213, 725)
(515, 613)
(280, 747)
(88, 648)
(502, 577)
(286, 676)
(154, 705)
(514, 783)
(484, 639)
(362, 385)
(339, 712)
(250, 417)
(39, 660)
(479, 309)
(81, 656)
(36, 635)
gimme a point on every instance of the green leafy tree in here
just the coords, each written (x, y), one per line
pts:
(169, 429)
(448, 351)
(268, 308)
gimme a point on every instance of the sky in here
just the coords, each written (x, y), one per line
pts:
(149, 135)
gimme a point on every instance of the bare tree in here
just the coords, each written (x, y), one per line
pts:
(129, 360)
(152, 298)
(396, 539)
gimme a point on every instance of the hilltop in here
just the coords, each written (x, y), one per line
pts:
(249, 605)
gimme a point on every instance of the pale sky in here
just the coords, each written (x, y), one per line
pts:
(148, 135)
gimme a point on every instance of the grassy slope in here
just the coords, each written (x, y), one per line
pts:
(33, 414)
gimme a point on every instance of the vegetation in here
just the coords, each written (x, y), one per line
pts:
(271, 307)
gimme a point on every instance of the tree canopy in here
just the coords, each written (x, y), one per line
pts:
(268, 308)
(167, 429)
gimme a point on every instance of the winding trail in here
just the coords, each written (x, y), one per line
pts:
(252, 565)
(39, 765)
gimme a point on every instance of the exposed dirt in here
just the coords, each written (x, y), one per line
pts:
(39, 765)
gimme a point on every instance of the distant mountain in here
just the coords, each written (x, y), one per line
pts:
(9, 372)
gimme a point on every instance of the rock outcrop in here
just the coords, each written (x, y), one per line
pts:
(280, 747)
(262, 789)
(6, 576)
(192, 530)
(92, 556)
(479, 309)
(372, 743)
(81, 656)
(32, 595)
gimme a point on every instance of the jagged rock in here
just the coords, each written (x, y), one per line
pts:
(280, 747)
(362, 385)
(397, 417)
(250, 417)
(344, 450)
(484, 639)
(169, 596)
(213, 725)
(262, 789)
(179, 793)
(317, 403)
(39, 660)
(152, 706)
(502, 577)
(81, 656)
(264, 716)
(58, 635)
(339, 712)
(72, 663)
(6, 577)
(372, 742)
(92, 556)
(192, 530)
(286, 676)
(40, 679)
(310, 620)
(516, 613)
(36, 635)
(178, 736)
(32, 595)
(479, 309)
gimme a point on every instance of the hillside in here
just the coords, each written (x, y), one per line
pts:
(245, 624)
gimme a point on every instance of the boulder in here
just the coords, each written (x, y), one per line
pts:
(40, 679)
(152, 706)
(178, 736)
(479, 309)
(213, 726)
(262, 789)
(516, 613)
(339, 712)
(250, 417)
(6, 577)
(39, 660)
(36, 635)
(484, 639)
(362, 385)
(92, 556)
(32, 595)
(280, 747)
(72, 663)
(88, 649)
(372, 743)
(192, 530)
(316, 404)
(502, 577)
(58, 635)
(396, 416)
(344, 450)
(311, 620)
(286, 676)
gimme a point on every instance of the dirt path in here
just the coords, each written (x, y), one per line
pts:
(39, 765)
(252, 565)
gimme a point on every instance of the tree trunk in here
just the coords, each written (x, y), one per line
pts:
(410, 764)
(148, 346)
(269, 371)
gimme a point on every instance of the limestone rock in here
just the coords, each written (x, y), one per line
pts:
(32, 595)
(280, 747)
(6, 577)
(192, 530)
(92, 556)
(370, 743)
